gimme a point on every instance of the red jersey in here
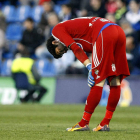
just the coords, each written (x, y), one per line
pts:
(81, 31)
(108, 47)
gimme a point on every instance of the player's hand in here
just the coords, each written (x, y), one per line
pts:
(91, 81)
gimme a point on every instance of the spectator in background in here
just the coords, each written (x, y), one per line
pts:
(11, 2)
(127, 28)
(79, 4)
(48, 8)
(129, 47)
(2, 33)
(23, 2)
(110, 17)
(41, 2)
(31, 39)
(52, 20)
(63, 63)
(67, 12)
(96, 8)
(25, 65)
(2, 42)
(133, 55)
(14, 2)
(111, 6)
(76, 68)
(2, 21)
(27, 2)
(133, 16)
(132, 47)
(121, 10)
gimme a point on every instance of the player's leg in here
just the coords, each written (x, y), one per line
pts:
(113, 100)
(92, 101)
(101, 62)
(42, 90)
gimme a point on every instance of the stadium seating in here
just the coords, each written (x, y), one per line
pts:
(9, 12)
(57, 8)
(22, 13)
(14, 31)
(12, 46)
(46, 67)
(11, 51)
(0, 66)
(62, 2)
(6, 67)
(36, 13)
(8, 55)
(135, 71)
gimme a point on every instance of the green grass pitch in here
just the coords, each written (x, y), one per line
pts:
(49, 122)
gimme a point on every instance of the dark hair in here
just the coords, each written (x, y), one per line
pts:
(51, 47)
(29, 19)
(68, 5)
(124, 1)
(136, 1)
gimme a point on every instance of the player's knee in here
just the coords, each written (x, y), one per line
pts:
(101, 84)
(115, 81)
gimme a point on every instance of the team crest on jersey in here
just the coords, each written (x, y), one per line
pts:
(80, 45)
(113, 67)
(96, 71)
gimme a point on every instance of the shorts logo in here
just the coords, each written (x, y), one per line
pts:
(97, 77)
(113, 67)
(96, 72)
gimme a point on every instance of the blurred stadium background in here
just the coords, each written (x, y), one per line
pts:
(62, 75)
(65, 79)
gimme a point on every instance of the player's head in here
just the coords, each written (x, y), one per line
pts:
(56, 48)
(29, 23)
(120, 3)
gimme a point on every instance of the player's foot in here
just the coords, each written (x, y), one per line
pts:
(102, 128)
(77, 127)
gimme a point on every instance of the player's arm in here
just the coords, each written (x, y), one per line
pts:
(60, 33)
(80, 54)
(65, 38)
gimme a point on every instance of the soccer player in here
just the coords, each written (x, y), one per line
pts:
(106, 41)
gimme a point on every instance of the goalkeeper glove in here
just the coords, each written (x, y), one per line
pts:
(91, 81)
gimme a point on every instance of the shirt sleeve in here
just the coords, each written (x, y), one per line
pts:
(60, 34)
(78, 52)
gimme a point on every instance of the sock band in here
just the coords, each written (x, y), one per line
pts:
(108, 114)
(113, 100)
(86, 116)
(93, 100)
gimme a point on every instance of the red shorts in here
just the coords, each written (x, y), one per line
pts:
(109, 55)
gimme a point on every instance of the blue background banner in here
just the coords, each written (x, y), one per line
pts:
(71, 90)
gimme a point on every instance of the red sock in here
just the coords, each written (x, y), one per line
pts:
(107, 118)
(113, 100)
(93, 100)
